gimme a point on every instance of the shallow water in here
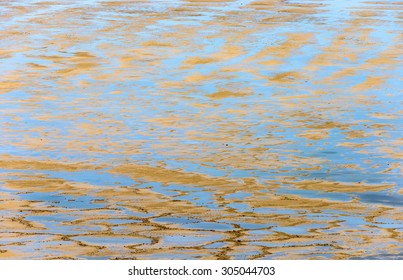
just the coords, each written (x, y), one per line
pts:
(201, 129)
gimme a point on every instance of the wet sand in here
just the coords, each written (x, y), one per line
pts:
(201, 130)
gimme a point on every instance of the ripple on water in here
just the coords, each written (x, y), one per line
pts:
(107, 240)
(137, 135)
(195, 239)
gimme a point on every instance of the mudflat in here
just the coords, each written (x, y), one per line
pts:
(194, 129)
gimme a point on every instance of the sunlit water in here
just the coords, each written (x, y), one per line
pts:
(201, 129)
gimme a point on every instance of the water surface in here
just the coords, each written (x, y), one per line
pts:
(201, 129)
